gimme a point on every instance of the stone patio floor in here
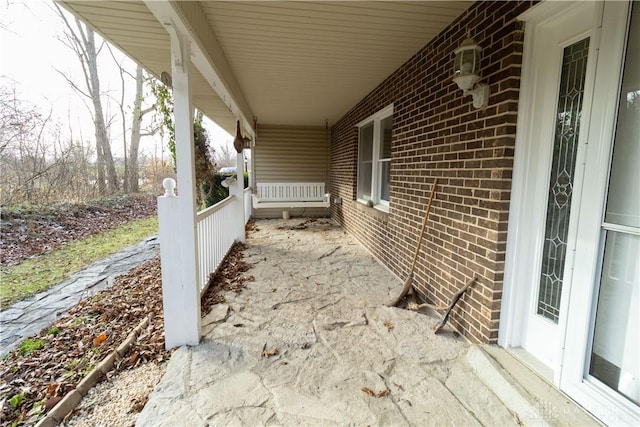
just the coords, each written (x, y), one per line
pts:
(310, 342)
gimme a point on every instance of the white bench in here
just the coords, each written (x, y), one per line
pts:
(291, 195)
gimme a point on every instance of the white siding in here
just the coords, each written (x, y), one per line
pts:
(291, 154)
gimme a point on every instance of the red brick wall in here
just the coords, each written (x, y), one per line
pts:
(438, 134)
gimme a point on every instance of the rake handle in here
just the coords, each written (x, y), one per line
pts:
(424, 225)
(407, 284)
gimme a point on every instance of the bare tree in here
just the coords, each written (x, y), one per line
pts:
(123, 116)
(225, 156)
(37, 163)
(130, 176)
(81, 41)
(136, 131)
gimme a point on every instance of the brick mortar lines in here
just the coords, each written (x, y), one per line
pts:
(437, 134)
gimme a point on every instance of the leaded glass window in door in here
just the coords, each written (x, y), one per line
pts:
(565, 148)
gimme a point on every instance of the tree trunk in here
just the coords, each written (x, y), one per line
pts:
(102, 187)
(135, 133)
(102, 140)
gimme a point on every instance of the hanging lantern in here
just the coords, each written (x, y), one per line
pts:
(238, 142)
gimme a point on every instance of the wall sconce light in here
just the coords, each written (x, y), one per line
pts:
(465, 72)
(247, 142)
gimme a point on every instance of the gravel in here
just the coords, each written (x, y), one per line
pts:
(118, 400)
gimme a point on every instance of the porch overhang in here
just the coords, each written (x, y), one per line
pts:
(290, 63)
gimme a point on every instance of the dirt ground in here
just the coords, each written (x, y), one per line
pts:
(31, 230)
(35, 376)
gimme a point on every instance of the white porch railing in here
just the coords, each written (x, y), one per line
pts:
(247, 204)
(215, 237)
(192, 247)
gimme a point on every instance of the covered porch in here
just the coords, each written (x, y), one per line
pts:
(361, 97)
(286, 72)
(310, 342)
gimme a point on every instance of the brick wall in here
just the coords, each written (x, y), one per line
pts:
(438, 134)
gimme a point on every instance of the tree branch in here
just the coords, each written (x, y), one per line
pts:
(73, 85)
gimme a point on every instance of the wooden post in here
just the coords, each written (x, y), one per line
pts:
(177, 215)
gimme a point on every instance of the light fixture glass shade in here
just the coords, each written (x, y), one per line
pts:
(466, 64)
(466, 72)
(466, 82)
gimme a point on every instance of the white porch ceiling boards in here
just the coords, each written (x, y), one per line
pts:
(296, 63)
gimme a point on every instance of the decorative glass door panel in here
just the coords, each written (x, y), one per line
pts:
(565, 148)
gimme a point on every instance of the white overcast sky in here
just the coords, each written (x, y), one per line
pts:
(30, 53)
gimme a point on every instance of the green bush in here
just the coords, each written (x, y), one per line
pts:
(212, 190)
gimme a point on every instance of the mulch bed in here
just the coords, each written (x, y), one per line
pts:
(31, 384)
(27, 231)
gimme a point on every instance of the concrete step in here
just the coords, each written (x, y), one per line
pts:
(531, 399)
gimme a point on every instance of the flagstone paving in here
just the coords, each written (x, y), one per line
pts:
(310, 342)
(28, 317)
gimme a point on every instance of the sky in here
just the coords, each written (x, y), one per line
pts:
(30, 54)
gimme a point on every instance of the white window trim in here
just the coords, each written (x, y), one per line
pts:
(376, 119)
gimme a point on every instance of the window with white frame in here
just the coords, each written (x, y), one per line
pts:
(374, 158)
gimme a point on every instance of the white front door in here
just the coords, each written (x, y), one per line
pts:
(572, 276)
(560, 68)
(601, 361)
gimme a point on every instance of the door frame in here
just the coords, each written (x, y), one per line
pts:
(604, 403)
(579, 293)
(527, 217)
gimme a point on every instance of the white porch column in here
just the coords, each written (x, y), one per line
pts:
(240, 196)
(180, 291)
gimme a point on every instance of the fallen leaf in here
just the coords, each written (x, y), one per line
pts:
(383, 393)
(99, 339)
(269, 353)
(389, 325)
(51, 388)
(372, 393)
(369, 391)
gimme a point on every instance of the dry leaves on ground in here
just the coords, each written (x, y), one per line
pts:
(302, 226)
(31, 384)
(227, 278)
(33, 230)
(382, 393)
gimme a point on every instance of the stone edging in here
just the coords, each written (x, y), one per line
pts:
(57, 414)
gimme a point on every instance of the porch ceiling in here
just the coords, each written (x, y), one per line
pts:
(296, 63)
